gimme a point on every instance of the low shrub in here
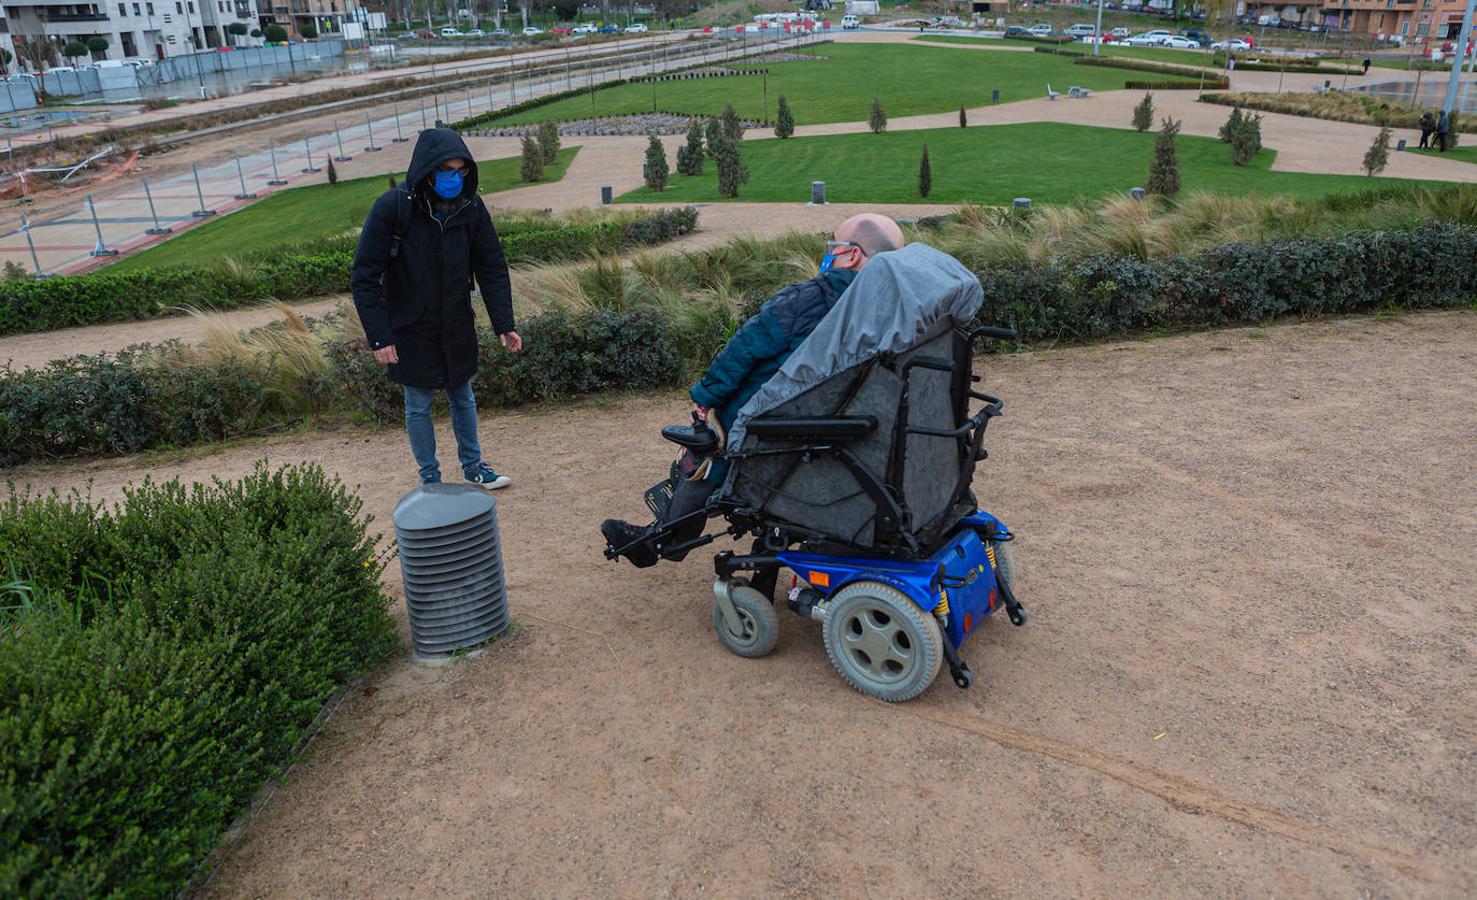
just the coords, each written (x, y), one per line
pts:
(1139, 65)
(137, 400)
(314, 269)
(1337, 106)
(159, 661)
(1280, 64)
(1218, 83)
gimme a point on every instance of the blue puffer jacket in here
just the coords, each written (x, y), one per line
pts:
(761, 346)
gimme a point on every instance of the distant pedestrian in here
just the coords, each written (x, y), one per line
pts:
(1428, 128)
(1443, 128)
(1366, 65)
(1230, 62)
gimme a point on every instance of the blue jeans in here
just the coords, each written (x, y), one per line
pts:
(422, 431)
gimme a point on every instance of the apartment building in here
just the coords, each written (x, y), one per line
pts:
(151, 29)
(323, 16)
(1428, 20)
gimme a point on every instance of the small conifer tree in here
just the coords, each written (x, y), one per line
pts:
(533, 159)
(1164, 170)
(332, 173)
(1233, 124)
(732, 173)
(784, 124)
(690, 154)
(1378, 154)
(713, 134)
(877, 121)
(548, 140)
(963, 120)
(1143, 114)
(925, 175)
(733, 129)
(655, 170)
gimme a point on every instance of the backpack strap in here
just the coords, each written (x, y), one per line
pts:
(403, 200)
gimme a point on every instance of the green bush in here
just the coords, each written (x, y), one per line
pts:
(159, 661)
(1218, 83)
(1141, 65)
(312, 269)
(104, 405)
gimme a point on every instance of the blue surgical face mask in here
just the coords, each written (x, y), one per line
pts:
(827, 262)
(448, 183)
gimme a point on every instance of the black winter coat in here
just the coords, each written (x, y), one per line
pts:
(420, 301)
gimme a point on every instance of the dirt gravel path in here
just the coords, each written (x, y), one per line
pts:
(1249, 669)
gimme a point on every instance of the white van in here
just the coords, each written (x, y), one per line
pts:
(1271, 20)
(849, 21)
(1080, 31)
(448, 31)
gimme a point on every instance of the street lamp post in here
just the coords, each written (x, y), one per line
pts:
(1461, 53)
(1098, 34)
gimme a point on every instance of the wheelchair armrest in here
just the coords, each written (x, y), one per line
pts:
(700, 439)
(832, 428)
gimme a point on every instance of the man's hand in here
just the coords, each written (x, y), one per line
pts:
(386, 355)
(700, 411)
(511, 340)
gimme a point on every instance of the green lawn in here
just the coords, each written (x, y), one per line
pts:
(910, 80)
(1048, 162)
(306, 213)
(1461, 154)
(1157, 54)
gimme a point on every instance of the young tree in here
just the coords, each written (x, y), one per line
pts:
(714, 135)
(877, 121)
(963, 120)
(690, 154)
(98, 47)
(784, 123)
(238, 29)
(74, 50)
(308, 32)
(1233, 124)
(925, 175)
(1143, 114)
(1164, 170)
(332, 173)
(1378, 154)
(275, 34)
(548, 140)
(655, 170)
(532, 168)
(732, 174)
(733, 129)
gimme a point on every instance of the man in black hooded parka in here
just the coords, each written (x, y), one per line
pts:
(422, 244)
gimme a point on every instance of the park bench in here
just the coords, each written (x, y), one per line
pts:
(1078, 92)
(1051, 94)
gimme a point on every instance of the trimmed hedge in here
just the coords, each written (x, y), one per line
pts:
(471, 123)
(104, 405)
(1100, 296)
(161, 660)
(1219, 83)
(1141, 65)
(319, 269)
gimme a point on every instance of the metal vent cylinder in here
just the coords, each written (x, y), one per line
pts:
(452, 563)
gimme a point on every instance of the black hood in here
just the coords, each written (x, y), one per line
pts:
(434, 147)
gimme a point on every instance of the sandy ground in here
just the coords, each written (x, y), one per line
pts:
(1249, 668)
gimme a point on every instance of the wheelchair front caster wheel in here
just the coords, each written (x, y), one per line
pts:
(1017, 616)
(964, 680)
(757, 627)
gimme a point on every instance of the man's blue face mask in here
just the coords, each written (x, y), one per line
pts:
(448, 183)
(833, 249)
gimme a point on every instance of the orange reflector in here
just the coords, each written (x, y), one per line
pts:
(968, 622)
(992, 598)
(819, 579)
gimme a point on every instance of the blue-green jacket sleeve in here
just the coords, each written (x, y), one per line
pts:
(760, 339)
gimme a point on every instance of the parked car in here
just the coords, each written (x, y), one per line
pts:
(585, 28)
(1246, 39)
(1016, 31)
(1143, 40)
(1159, 33)
(1199, 36)
(500, 33)
(1080, 31)
(475, 32)
(849, 22)
(610, 29)
(530, 31)
(1234, 44)
(61, 69)
(1040, 30)
(1120, 33)
(561, 30)
(1179, 42)
(449, 32)
(636, 28)
(1270, 20)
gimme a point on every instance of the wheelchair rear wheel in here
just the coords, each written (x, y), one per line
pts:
(881, 642)
(758, 628)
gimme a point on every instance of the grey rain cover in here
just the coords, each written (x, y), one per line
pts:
(900, 300)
